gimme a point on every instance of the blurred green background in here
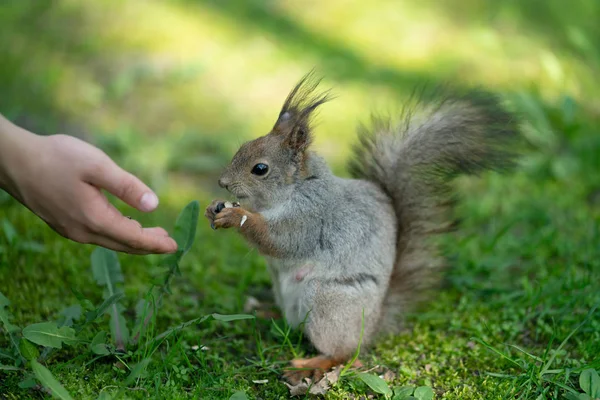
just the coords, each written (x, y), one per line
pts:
(170, 89)
(175, 86)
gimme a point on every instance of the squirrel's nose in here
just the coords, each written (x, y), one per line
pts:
(223, 183)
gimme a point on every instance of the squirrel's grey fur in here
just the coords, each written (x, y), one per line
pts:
(339, 247)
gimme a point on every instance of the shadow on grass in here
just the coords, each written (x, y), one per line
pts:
(342, 64)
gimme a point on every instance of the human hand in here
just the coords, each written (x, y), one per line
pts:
(60, 179)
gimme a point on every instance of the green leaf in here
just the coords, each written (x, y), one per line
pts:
(238, 395)
(106, 269)
(85, 303)
(423, 393)
(49, 382)
(571, 396)
(9, 231)
(49, 335)
(8, 327)
(403, 392)
(377, 384)
(184, 234)
(589, 381)
(98, 344)
(94, 314)
(232, 317)
(69, 314)
(4, 302)
(27, 383)
(28, 350)
(595, 385)
(5, 315)
(185, 228)
(105, 396)
(107, 272)
(141, 310)
(137, 371)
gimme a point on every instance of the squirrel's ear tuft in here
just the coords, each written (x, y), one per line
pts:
(294, 120)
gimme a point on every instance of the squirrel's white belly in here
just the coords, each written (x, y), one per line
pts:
(293, 291)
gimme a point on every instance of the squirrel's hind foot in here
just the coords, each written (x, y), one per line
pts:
(313, 368)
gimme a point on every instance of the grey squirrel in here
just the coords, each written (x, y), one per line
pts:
(340, 250)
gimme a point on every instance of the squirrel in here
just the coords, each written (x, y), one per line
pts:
(348, 257)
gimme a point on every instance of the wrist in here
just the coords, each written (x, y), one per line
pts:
(14, 144)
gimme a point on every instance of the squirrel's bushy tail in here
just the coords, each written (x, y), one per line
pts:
(415, 161)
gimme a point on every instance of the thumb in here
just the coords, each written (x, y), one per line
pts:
(124, 185)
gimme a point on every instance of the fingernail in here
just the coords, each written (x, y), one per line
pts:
(174, 246)
(148, 202)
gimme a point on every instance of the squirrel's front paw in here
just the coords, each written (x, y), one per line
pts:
(213, 209)
(231, 217)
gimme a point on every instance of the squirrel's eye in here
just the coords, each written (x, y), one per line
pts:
(260, 169)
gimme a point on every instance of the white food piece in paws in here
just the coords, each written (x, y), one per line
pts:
(244, 218)
(227, 204)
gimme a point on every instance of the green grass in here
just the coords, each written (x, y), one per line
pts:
(170, 89)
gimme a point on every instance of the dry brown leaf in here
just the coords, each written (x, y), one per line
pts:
(299, 389)
(319, 388)
(333, 376)
(251, 304)
(119, 365)
(389, 375)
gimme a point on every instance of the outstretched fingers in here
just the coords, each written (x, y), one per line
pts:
(137, 239)
(124, 185)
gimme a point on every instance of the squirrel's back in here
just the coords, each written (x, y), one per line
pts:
(414, 162)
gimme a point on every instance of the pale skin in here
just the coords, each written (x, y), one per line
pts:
(60, 179)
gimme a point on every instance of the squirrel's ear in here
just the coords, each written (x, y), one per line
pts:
(295, 117)
(297, 134)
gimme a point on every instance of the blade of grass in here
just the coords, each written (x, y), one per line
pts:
(551, 360)
(48, 380)
(493, 349)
